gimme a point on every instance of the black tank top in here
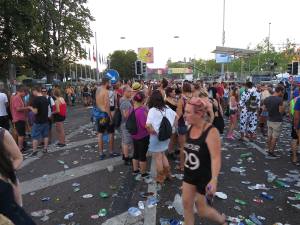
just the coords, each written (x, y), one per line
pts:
(9, 208)
(197, 158)
(173, 107)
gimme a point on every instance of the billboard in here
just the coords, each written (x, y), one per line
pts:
(223, 58)
(179, 71)
(146, 55)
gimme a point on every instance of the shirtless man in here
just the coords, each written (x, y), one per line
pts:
(104, 122)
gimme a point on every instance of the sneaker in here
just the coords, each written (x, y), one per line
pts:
(60, 145)
(136, 172)
(145, 175)
(102, 157)
(272, 154)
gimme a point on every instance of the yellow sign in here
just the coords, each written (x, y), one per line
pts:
(146, 55)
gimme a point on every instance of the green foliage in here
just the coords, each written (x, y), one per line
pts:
(122, 61)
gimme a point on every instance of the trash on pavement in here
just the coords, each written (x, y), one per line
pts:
(75, 185)
(258, 187)
(241, 202)
(177, 204)
(87, 196)
(221, 195)
(146, 194)
(237, 208)
(76, 189)
(61, 162)
(103, 194)
(246, 155)
(94, 217)
(232, 219)
(45, 199)
(141, 205)
(164, 221)
(246, 182)
(265, 195)
(254, 219)
(102, 212)
(237, 169)
(134, 212)
(110, 168)
(258, 200)
(68, 216)
(41, 213)
(151, 202)
(169, 204)
(281, 184)
(296, 206)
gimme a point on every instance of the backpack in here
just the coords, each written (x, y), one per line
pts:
(131, 124)
(251, 103)
(165, 129)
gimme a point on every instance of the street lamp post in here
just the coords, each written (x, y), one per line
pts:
(223, 36)
(269, 37)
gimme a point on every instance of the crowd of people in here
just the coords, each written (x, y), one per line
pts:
(165, 118)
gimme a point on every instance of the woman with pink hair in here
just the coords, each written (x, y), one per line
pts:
(202, 165)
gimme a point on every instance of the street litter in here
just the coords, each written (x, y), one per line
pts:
(254, 219)
(164, 221)
(151, 202)
(68, 216)
(237, 208)
(265, 195)
(94, 217)
(237, 169)
(45, 199)
(246, 182)
(87, 196)
(110, 168)
(134, 212)
(296, 206)
(75, 185)
(41, 213)
(232, 219)
(177, 204)
(295, 198)
(146, 194)
(141, 205)
(61, 162)
(102, 212)
(258, 187)
(241, 202)
(103, 195)
(221, 195)
(169, 204)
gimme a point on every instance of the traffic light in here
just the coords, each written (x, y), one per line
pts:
(144, 68)
(289, 68)
(138, 67)
(295, 68)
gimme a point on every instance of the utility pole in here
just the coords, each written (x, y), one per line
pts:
(97, 65)
(269, 37)
(223, 36)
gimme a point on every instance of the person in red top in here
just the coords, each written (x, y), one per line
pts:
(59, 116)
(18, 111)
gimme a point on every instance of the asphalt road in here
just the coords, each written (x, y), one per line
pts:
(46, 177)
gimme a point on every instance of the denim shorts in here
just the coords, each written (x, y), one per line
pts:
(40, 130)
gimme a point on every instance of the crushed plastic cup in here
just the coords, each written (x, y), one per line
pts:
(297, 206)
(68, 216)
(94, 217)
(249, 222)
(241, 202)
(151, 202)
(237, 169)
(61, 162)
(66, 166)
(102, 212)
(254, 219)
(134, 212)
(258, 200)
(87, 196)
(265, 195)
(246, 155)
(45, 218)
(281, 184)
(110, 168)
(246, 182)
(177, 204)
(75, 185)
(103, 195)
(41, 213)
(141, 205)
(76, 189)
(45, 199)
(221, 195)
(258, 187)
(232, 219)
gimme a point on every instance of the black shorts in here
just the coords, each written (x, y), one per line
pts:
(200, 183)
(21, 128)
(140, 148)
(58, 118)
(106, 127)
(4, 122)
(294, 133)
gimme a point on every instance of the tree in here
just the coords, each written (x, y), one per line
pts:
(62, 26)
(16, 23)
(122, 61)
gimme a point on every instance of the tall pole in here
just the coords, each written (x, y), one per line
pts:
(269, 37)
(97, 65)
(223, 36)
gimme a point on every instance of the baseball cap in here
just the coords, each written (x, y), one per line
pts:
(136, 86)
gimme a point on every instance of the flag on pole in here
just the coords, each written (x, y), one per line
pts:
(94, 55)
(100, 61)
(89, 54)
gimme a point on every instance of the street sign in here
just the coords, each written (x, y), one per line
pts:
(291, 79)
(113, 75)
